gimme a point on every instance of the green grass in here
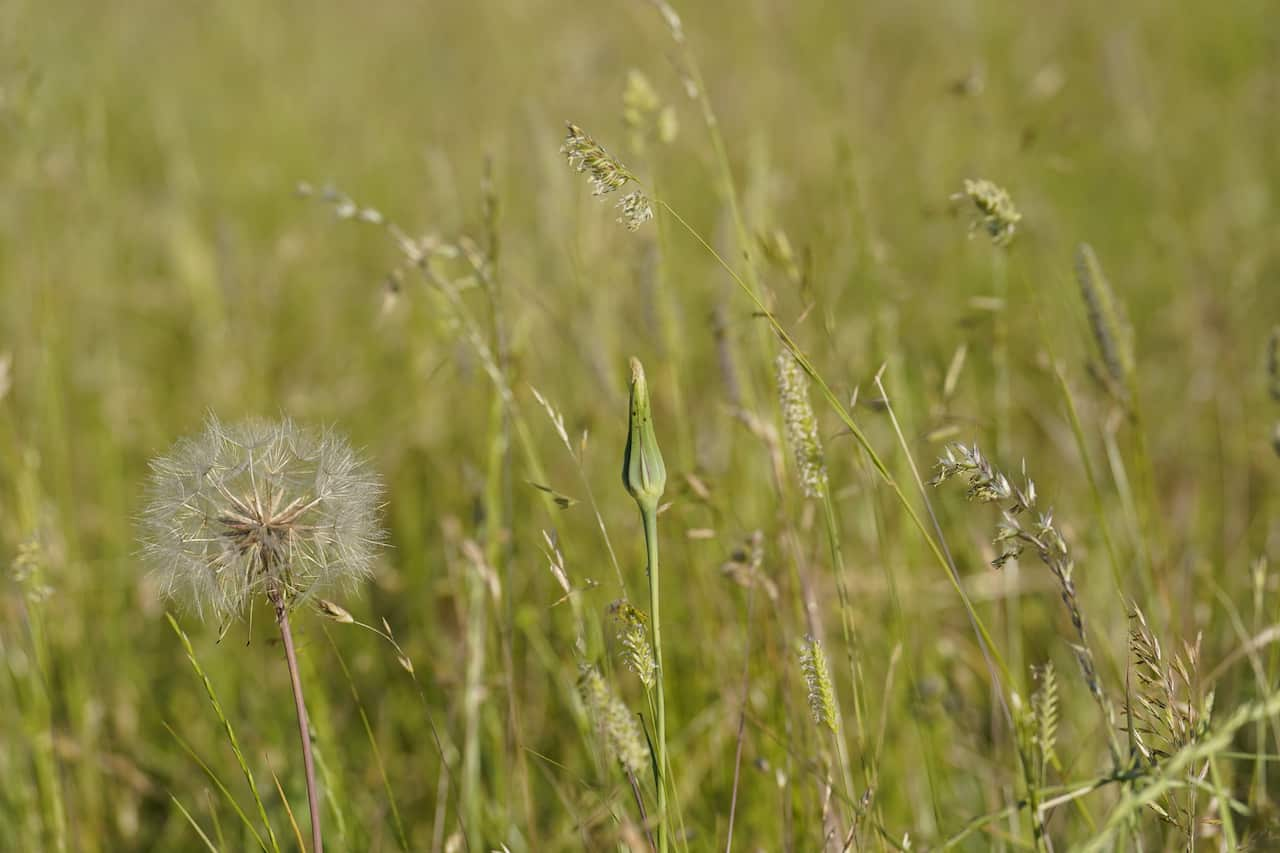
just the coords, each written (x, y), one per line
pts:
(156, 264)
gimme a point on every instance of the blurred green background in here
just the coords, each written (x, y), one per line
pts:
(156, 264)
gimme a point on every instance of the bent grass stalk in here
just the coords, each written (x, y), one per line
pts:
(222, 789)
(1001, 670)
(231, 738)
(288, 811)
(340, 615)
(801, 428)
(208, 843)
(373, 743)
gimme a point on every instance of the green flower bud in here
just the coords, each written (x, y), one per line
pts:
(643, 472)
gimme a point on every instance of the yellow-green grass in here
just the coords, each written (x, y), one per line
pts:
(156, 264)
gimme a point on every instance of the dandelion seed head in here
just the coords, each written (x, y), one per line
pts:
(257, 508)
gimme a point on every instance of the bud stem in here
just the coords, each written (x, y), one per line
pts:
(650, 517)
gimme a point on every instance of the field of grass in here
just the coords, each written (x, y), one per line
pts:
(359, 217)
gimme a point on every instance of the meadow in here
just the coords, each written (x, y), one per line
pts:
(1037, 243)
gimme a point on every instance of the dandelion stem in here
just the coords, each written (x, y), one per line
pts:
(304, 728)
(650, 516)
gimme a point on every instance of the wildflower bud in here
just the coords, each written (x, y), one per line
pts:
(643, 472)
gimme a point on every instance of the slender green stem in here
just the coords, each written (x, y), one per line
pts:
(650, 517)
(855, 671)
(1003, 404)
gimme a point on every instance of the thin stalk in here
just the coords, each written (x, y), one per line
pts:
(231, 738)
(650, 517)
(924, 738)
(304, 728)
(381, 766)
(672, 341)
(855, 671)
(1150, 516)
(729, 189)
(742, 719)
(1077, 430)
(640, 809)
(999, 670)
(472, 701)
(1003, 402)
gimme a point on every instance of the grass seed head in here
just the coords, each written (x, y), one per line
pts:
(996, 212)
(633, 633)
(1111, 331)
(801, 425)
(616, 725)
(817, 679)
(636, 210)
(259, 507)
(605, 171)
(606, 174)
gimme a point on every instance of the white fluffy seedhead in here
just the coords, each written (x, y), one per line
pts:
(257, 508)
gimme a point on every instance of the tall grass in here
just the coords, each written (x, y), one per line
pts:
(784, 180)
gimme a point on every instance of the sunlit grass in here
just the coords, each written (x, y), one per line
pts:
(798, 166)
